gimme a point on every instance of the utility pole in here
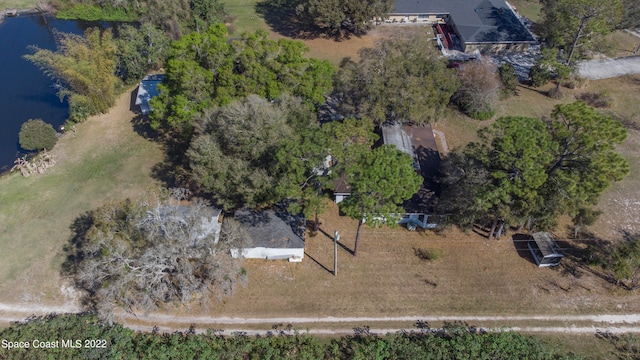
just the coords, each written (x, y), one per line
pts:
(336, 238)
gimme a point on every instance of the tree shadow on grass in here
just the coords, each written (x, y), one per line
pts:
(520, 244)
(282, 18)
(72, 252)
(586, 254)
(173, 171)
(142, 127)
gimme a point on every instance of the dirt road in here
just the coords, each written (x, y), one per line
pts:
(577, 324)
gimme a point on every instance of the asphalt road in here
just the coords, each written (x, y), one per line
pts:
(609, 68)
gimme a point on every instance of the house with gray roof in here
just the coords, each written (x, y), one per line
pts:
(489, 26)
(273, 235)
(420, 144)
(147, 90)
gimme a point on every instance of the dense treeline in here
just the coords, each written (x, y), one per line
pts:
(455, 341)
(176, 17)
(341, 18)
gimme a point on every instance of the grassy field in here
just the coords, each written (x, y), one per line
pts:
(107, 160)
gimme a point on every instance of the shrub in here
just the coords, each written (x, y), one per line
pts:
(600, 99)
(574, 82)
(80, 108)
(509, 79)
(482, 115)
(479, 90)
(427, 254)
(97, 13)
(538, 76)
(36, 134)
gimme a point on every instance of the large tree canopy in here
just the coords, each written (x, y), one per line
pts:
(340, 18)
(141, 254)
(140, 50)
(527, 170)
(232, 155)
(400, 79)
(585, 162)
(307, 165)
(85, 68)
(381, 180)
(573, 24)
(205, 70)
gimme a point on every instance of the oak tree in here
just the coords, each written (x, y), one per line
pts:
(140, 254)
(400, 79)
(232, 155)
(140, 50)
(205, 70)
(341, 18)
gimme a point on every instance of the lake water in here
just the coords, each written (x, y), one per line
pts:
(25, 92)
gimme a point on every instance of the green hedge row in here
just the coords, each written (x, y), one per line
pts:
(93, 340)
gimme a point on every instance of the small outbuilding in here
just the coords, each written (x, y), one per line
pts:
(544, 250)
(272, 235)
(147, 90)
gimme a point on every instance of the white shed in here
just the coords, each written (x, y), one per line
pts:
(271, 237)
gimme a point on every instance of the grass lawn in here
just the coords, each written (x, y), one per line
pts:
(106, 161)
(529, 9)
(624, 44)
(245, 16)
(17, 4)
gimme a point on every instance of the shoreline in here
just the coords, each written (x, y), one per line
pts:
(16, 12)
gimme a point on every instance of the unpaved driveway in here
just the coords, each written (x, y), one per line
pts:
(609, 68)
